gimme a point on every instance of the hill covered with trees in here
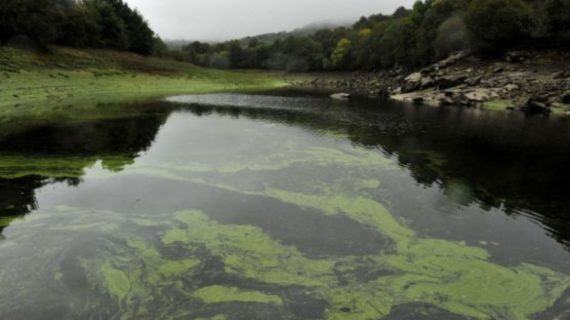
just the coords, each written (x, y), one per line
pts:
(107, 24)
(431, 30)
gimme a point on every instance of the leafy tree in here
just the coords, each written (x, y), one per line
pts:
(113, 28)
(558, 13)
(33, 19)
(86, 23)
(452, 36)
(497, 24)
(340, 58)
(235, 54)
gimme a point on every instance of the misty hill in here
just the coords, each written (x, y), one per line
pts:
(305, 31)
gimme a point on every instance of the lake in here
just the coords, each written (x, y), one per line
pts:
(284, 205)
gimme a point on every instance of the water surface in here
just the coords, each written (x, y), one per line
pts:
(284, 206)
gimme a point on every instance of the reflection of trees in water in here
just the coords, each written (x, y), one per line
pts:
(498, 160)
(115, 142)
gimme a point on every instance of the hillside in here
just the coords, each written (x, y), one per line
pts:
(64, 75)
(305, 31)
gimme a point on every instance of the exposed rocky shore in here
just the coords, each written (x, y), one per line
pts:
(525, 81)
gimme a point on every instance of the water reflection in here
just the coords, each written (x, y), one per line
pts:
(503, 161)
(49, 154)
(488, 180)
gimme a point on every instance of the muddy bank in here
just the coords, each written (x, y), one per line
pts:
(526, 81)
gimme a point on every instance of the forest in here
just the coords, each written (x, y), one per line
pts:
(104, 24)
(431, 30)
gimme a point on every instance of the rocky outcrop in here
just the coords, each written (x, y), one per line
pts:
(530, 82)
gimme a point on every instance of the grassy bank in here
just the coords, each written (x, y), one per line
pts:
(67, 75)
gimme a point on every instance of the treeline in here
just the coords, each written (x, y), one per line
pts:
(431, 30)
(109, 24)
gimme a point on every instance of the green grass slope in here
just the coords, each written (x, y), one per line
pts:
(66, 75)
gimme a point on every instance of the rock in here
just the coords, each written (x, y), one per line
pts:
(498, 70)
(511, 87)
(473, 81)
(427, 82)
(418, 100)
(341, 96)
(410, 87)
(565, 98)
(446, 100)
(516, 56)
(537, 105)
(479, 95)
(383, 92)
(415, 77)
(450, 60)
(450, 82)
(561, 75)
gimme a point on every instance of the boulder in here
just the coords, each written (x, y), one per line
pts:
(446, 100)
(418, 100)
(341, 96)
(537, 105)
(473, 81)
(561, 75)
(516, 56)
(383, 92)
(450, 60)
(427, 82)
(447, 82)
(410, 87)
(565, 98)
(480, 95)
(415, 77)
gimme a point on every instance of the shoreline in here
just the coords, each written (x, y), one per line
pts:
(534, 83)
(65, 76)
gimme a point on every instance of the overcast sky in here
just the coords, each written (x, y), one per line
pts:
(228, 19)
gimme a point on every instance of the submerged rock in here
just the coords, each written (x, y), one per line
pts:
(341, 96)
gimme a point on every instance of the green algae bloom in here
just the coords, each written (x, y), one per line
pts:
(220, 294)
(213, 258)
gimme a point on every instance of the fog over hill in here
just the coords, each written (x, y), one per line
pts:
(218, 20)
(306, 30)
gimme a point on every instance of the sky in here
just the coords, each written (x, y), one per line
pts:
(217, 20)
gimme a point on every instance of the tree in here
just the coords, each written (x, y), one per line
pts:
(235, 52)
(495, 25)
(340, 56)
(113, 29)
(558, 13)
(33, 19)
(452, 36)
